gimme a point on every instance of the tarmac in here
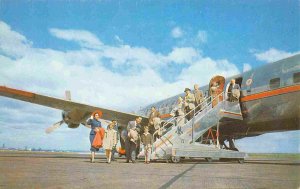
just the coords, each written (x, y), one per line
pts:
(69, 170)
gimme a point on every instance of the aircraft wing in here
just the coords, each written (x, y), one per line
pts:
(86, 110)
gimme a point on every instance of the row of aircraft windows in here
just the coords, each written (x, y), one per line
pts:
(275, 82)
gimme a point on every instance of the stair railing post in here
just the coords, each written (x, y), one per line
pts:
(218, 143)
(193, 125)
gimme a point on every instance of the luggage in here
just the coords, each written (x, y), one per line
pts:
(122, 151)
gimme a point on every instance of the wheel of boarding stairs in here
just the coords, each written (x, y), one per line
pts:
(241, 161)
(208, 160)
(175, 159)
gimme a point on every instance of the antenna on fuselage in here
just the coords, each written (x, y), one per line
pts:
(68, 95)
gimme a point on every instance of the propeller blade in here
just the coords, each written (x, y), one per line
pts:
(54, 126)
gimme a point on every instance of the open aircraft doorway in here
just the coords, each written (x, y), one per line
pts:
(216, 87)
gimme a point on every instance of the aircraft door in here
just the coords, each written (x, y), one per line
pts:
(216, 87)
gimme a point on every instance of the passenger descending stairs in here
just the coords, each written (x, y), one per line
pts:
(184, 137)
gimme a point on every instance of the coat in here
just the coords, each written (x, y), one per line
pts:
(94, 123)
(198, 96)
(110, 139)
(152, 116)
(233, 92)
(178, 112)
(147, 139)
(190, 101)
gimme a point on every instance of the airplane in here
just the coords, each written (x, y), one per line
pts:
(269, 102)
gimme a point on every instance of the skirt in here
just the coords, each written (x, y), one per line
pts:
(93, 149)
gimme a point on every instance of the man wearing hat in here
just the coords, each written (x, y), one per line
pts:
(189, 103)
(199, 97)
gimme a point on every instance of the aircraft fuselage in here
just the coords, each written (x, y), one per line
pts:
(270, 100)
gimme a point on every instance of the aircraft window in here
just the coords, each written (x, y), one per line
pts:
(296, 77)
(274, 83)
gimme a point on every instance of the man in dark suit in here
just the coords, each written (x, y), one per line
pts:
(132, 143)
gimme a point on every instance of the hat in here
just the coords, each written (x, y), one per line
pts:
(187, 89)
(97, 112)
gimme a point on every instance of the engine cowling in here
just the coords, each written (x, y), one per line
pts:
(73, 125)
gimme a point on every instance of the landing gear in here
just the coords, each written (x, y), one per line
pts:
(175, 159)
(231, 145)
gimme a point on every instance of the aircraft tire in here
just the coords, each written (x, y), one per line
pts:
(175, 159)
(208, 160)
(241, 161)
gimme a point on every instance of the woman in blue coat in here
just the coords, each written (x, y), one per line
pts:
(95, 126)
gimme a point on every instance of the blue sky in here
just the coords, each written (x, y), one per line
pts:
(148, 50)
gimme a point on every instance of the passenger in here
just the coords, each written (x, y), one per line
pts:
(233, 92)
(123, 138)
(154, 114)
(199, 98)
(109, 141)
(215, 91)
(189, 105)
(95, 124)
(114, 148)
(178, 112)
(131, 144)
(147, 141)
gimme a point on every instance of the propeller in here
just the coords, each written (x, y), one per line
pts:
(54, 126)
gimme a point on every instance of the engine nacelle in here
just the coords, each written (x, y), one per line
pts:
(68, 120)
(73, 125)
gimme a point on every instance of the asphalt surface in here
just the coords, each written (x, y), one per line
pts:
(61, 170)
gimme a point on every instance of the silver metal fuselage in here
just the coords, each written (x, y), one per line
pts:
(270, 100)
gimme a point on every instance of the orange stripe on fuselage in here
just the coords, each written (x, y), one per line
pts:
(274, 92)
(16, 92)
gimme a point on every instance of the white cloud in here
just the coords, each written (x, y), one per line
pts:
(177, 32)
(246, 67)
(204, 69)
(131, 56)
(117, 68)
(84, 38)
(116, 77)
(184, 55)
(12, 43)
(272, 55)
(202, 36)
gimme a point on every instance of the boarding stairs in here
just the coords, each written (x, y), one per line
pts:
(177, 142)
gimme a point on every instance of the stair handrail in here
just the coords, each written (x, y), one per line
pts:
(169, 121)
(199, 105)
(206, 103)
(213, 98)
